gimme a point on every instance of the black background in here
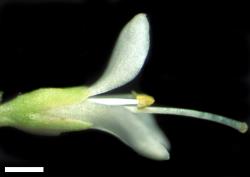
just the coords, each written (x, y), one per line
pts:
(198, 59)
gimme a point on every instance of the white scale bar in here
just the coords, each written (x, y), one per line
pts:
(24, 169)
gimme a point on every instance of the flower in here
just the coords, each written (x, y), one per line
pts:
(51, 111)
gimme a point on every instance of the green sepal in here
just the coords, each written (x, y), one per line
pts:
(43, 124)
(29, 111)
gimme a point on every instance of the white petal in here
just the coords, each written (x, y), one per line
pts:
(148, 119)
(137, 133)
(151, 123)
(128, 56)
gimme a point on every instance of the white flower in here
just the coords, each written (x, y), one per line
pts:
(129, 117)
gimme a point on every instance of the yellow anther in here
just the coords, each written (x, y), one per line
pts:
(144, 100)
